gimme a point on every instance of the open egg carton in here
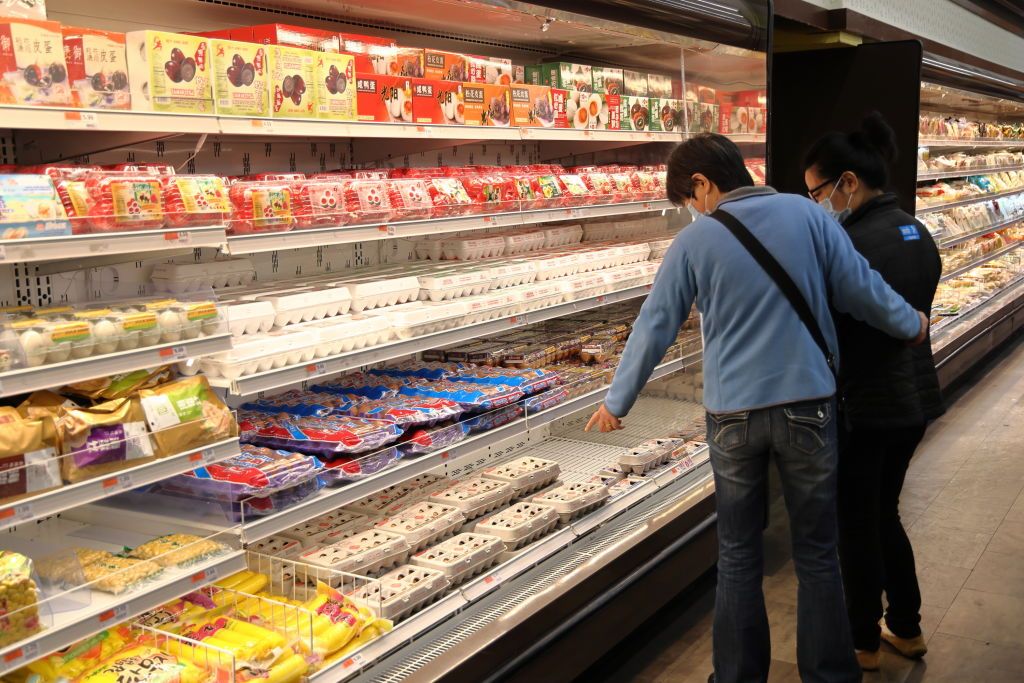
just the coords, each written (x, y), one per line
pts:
(402, 591)
(462, 556)
(472, 248)
(525, 475)
(390, 500)
(380, 289)
(418, 318)
(624, 485)
(182, 278)
(490, 306)
(648, 455)
(451, 284)
(260, 353)
(328, 528)
(278, 546)
(519, 525)
(369, 553)
(308, 303)
(424, 523)
(562, 235)
(571, 501)
(346, 333)
(475, 497)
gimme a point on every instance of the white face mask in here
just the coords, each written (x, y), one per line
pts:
(826, 204)
(694, 213)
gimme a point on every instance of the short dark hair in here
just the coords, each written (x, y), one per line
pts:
(712, 155)
(866, 152)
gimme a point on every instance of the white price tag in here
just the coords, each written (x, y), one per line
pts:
(81, 119)
(113, 615)
(16, 513)
(25, 653)
(316, 369)
(388, 230)
(202, 457)
(263, 124)
(356, 661)
(423, 130)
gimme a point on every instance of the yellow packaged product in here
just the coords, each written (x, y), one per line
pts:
(19, 598)
(104, 439)
(144, 663)
(119, 574)
(373, 630)
(177, 550)
(70, 663)
(186, 415)
(28, 455)
(252, 646)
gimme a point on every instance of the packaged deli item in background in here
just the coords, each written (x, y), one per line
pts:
(169, 72)
(102, 439)
(97, 68)
(607, 80)
(186, 415)
(28, 454)
(634, 83)
(327, 437)
(31, 208)
(564, 75)
(32, 66)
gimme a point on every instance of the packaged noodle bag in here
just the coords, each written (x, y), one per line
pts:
(28, 455)
(186, 414)
(105, 438)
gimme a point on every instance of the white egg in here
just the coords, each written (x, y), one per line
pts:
(395, 105)
(106, 334)
(56, 352)
(83, 348)
(189, 328)
(570, 109)
(448, 109)
(169, 323)
(35, 346)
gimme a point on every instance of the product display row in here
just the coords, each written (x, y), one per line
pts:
(962, 163)
(958, 127)
(971, 188)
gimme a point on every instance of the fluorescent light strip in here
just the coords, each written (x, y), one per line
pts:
(967, 72)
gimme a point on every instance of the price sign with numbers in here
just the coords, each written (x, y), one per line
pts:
(113, 615)
(173, 353)
(316, 369)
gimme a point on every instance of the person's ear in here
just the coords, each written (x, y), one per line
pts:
(849, 183)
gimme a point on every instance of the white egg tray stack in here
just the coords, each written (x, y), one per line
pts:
(279, 546)
(381, 290)
(462, 556)
(249, 317)
(328, 528)
(519, 525)
(402, 591)
(475, 497)
(554, 266)
(311, 303)
(428, 248)
(638, 252)
(562, 235)
(648, 456)
(574, 500)
(511, 273)
(424, 523)
(182, 278)
(660, 247)
(448, 285)
(390, 500)
(624, 277)
(346, 333)
(480, 309)
(523, 242)
(584, 286)
(260, 353)
(602, 231)
(419, 318)
(538, 295)
(472, 248)
(369, 553)
(525, 475)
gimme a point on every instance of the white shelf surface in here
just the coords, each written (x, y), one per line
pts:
(979, 142)
(109, 244)
(981, 261)
(332, 365)
(25, 380)
(994, 227)
(964, 172)
(964, 202)
(74, 495)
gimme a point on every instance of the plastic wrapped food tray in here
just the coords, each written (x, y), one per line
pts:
(260, 353)
(419, 441)
(310, 303)
(332, 437)
(279, 546)
(574, 500)
(249, 317)
(472, 248)
(475, 497)
(315, 532)
(520, 524)
(648, 455)
(346, 333)
(182, 278)
(402, 591)
(525, 475)
(448, 285)
(418, 318)
(424, 523)
(370, 552)
(545, 400)
(382, 290)
(462, 556)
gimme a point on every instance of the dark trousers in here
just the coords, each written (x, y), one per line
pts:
(802, 437)
(874, 549)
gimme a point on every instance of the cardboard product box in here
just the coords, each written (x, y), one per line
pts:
(677, 88)
(445, 66)
(706, 94)
(634, 113)
(750, 98)
(634, 83)
(223, 34)
(732, 119)
(532, 106)
(595, 111)
(706, 120)
(659, 86)
(757, 120)
(240, 78)
(563, 75)
(286, 34)
(560, 100)
(372, 53)
(384, 98)
(519, 74)
(335, 82)
(666, 114)
(408, 62)
(32, 67)
(169, 72)
(292, 70)
(608, 80)
(97, 68)
(493, 70)
(32, 208)
(487, 105)
(436, 101)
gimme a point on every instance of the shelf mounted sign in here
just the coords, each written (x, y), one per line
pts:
(81, 119)
(173, 353)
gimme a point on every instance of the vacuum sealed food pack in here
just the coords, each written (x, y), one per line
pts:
(260, 206)
(117, 202)
(327, 437)
(419, 441)
(195, 200)
(410, 199)
(347, 469)
(472, 397)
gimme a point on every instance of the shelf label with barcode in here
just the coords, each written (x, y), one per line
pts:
(81, 119)
(203, 456)
(493, 579)
(118, 483)
(574, 213)
(178, 237)
(205, 576)
(173, 353)
(115, 614)
(16, 513)
(388, 230)
(316, 369)
(24, 654)
(263, 124)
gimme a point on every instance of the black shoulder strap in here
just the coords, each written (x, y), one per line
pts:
(782, 279)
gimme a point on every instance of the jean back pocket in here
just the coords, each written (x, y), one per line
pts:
(808, 426)
(729, 430)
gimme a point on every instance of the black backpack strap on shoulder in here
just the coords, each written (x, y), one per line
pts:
(782, 279)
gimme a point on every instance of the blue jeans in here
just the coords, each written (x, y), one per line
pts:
(802, 437)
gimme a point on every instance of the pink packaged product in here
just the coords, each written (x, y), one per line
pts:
(117, 202)
(576, 192)
(326, 437)
(491, 192)
(261, 206)
(431, 439)
(320, 203)
(602, 189)
(449, 197)
(410, 199)
(368, 201)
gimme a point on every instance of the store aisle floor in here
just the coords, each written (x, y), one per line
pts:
(964, 508)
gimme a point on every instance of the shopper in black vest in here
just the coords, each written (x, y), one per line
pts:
(889, 390)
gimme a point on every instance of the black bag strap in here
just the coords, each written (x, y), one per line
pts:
(782, 279)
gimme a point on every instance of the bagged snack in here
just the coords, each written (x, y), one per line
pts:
(28, 455)
(69, 664)
(177, 550)
(120, 385)
(430, 439)
(472, 397)
(116, 575)
(145, 663)
(18, 595)
(408, 411)
(186, 414)
(105, 438)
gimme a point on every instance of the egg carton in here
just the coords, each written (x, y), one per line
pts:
(623, 485)
(392, 499)
(312, 303)
(402, 591)
(602, 231)
(574, 500)
(249, 317)
(625, 277)
(475, 497)
(637, 252)
(279, 546)
(660, 247)
(472, 248)
(512, 273)
(584, 286)
(538, 295)
(260, 353)
(647, 456)
(368, 553)
(326, 529)
(378, 291)
(523, 242)
(554, 266)
(424, 523)
(345, 333)
(417, 319)
(519, 525)
(448, 285)
(480, 309)
(562, 235)
(525, 475)
(428, 248)
(182, 278)
(462, 556)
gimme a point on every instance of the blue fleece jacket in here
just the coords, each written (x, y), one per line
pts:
(757, 352)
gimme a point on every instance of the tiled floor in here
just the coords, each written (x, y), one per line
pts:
(963, 506)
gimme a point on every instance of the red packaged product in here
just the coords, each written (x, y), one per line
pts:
(648, 185)
(576, 192)
(319, 203)
(123, 201)
(261, 207)
(527, 192)
(371, 174)
(449, 197)
(195, 200)
(410, 199)
(275, 177)
(601, 187)
(491, 193)
(368, 201)
(336, 175)
(627, 186)
(144, 167)
(550, 191)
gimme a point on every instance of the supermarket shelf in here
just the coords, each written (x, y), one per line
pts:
(107, 610)
(73, 495)
(960, 239)
(980, 142)
(109, 243)
(964, 172)
(331, 499)
(983, 260)
(297, 239)
(964, 202)
(25, 380)
(295, 374)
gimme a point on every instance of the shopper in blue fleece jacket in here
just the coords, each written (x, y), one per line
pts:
(767, 390)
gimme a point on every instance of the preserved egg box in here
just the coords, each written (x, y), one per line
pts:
(169, 72)
(475, 497)
(383, 98)
(494, 70)
(571, 501)
(292, 70)
(608, 80)
(487, 105)
(335, 81)
(520, 524)
(462, 556)
(370, 552)
(423, 524)
(97, 68)
(634, 84)
(286, 34)
(32, 66)
(402, 591)
(315, 531)
(667, 114)
(525, 475)
(659, 86)
(445, 66)
(240, 72)
(437, 101)
(532, 106)
(373, 54)
(634, 112)
(563, 75)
